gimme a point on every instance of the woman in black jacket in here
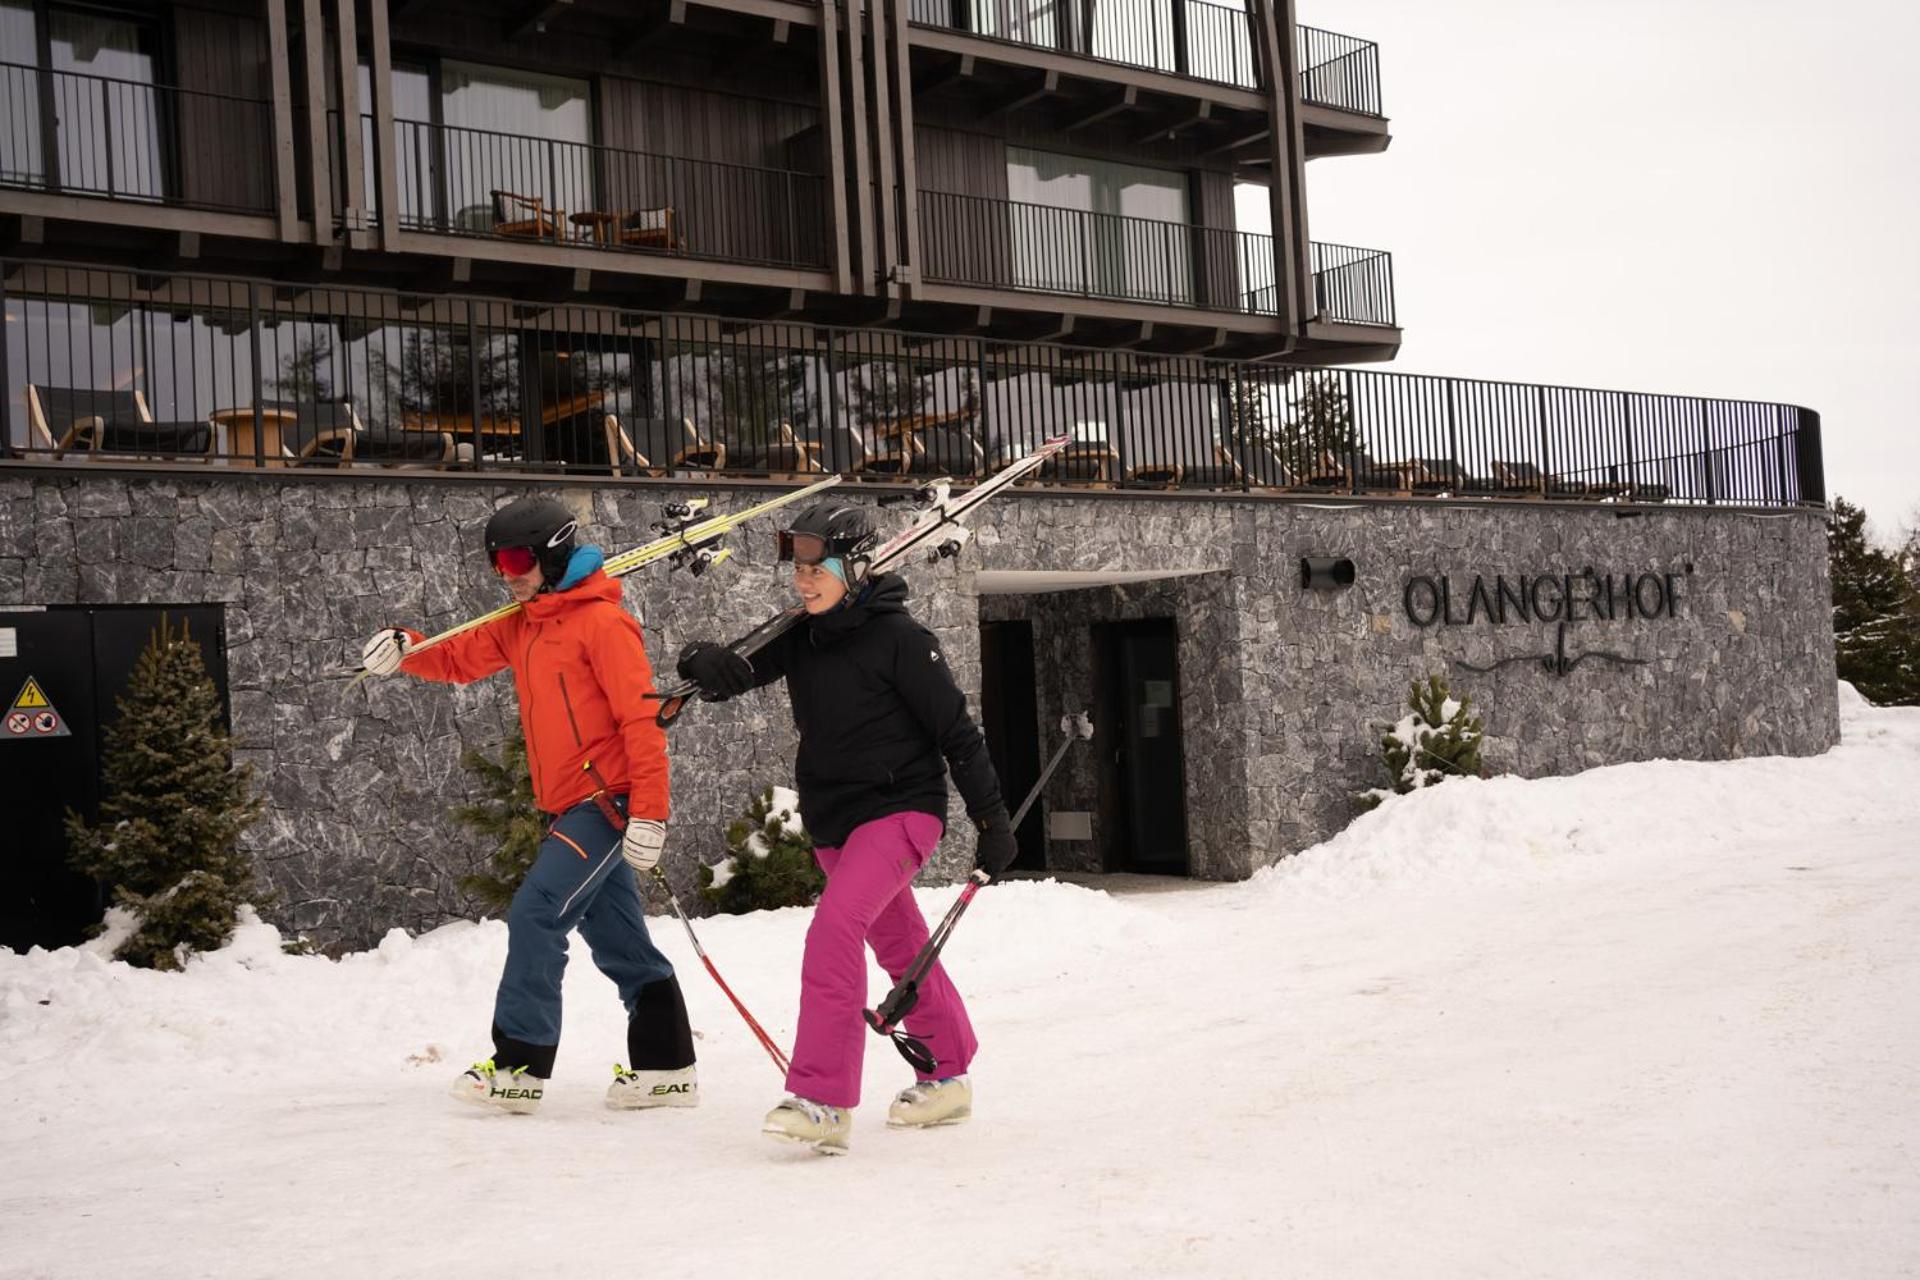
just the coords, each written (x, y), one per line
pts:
(881, 721)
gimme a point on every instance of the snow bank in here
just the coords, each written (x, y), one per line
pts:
(1496, 830)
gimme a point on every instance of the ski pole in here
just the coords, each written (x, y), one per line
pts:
(886, 1018)
(759, 1032)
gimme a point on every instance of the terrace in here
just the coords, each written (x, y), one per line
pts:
(107, 368)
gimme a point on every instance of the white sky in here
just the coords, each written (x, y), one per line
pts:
(1710, 197)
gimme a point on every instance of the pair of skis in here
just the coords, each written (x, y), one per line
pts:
(937, 532)
(685, 542)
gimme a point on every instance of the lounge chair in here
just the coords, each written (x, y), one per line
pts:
(398, 449)
(108, 423)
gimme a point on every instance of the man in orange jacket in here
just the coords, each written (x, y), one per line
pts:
(599, 766)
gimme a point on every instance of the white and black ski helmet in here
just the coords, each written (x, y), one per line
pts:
(541, 525)
(830, 529)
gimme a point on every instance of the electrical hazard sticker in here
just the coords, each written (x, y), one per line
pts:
(33, 715)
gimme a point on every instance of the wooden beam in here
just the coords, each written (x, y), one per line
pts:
(1169, 130)
(353, 209)
(691, 294)
(886, 148)
(533, 18)
(1142, 336)
(313, 53)
(904, 133)
(385, 132)
(1048, 86)
(279, 74)
(781, 28)
(1129, 96)
(866, 276)
(1235, 143)
(833, 134)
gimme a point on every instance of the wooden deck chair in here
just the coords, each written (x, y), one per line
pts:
(523, 217)
(621, 451)
(650, 229)
(109, 423)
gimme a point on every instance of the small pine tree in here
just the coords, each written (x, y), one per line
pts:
(1876, 612)
(509, 815)
(174, 807)
(1437, 739)
(770, 862)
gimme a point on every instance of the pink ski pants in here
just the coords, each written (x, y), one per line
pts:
(869, 900)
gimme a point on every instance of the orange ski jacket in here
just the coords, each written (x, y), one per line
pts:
(580, 668)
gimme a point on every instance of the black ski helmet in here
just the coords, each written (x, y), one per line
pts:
(830, 529)
(541, 525)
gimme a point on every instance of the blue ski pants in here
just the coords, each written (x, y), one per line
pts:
(579, 880)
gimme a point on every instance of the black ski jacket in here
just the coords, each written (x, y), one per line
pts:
(878, 714)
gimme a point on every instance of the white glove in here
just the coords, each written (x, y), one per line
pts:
(642, 844)
(381, 654)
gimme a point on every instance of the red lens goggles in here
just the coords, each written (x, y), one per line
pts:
(514, 562)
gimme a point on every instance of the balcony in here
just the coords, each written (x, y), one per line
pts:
(1338, 71)
(1005, 244)
(479, 183)
(64, 133)
(1201, 39)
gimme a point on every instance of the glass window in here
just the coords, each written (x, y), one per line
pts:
(107, 106)
(518, 133)
(414, 169)
(21, 160)
(1098, 227)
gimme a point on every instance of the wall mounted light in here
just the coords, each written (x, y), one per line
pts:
(1325, 573)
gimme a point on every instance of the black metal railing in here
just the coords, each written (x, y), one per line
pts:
(1339, 71)
(1352, 286)
(61, 131)
(110, 366)
(477, 182)
(1198, 38)
(1007, 244)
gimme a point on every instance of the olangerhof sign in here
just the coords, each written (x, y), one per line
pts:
(1540, 597)
(1432, 600)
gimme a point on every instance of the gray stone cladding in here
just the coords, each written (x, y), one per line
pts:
(1284, 691)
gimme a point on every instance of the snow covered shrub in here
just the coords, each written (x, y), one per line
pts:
(507, 815)
(1876, 612)
(173, 807)
(1438, 738)
(770, 859)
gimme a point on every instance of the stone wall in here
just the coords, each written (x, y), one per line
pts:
(1285, 690)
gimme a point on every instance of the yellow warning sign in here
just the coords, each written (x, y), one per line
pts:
(32, 715)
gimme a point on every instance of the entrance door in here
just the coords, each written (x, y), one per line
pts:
(1009, 717)
(81, 660)
(1145, 787)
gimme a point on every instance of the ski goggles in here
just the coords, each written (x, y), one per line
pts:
(514, 562)
(802, 548)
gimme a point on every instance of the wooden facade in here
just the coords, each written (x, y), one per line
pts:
(844, 162)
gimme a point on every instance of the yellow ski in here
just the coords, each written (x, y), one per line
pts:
(682, 543)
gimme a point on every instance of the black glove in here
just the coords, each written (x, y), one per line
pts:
(718, 670)
(997, 848)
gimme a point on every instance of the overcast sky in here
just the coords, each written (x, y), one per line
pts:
(1710, 197)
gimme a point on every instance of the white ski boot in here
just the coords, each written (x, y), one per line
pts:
(513, 1091)
(820, 1126)
(930, 1102)
(635, 1090)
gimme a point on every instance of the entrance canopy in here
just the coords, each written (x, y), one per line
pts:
(1027, 582)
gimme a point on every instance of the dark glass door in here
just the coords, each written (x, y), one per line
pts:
(1009, 717)
(1146, 759)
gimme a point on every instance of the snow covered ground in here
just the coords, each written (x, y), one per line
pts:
(1656, 1020)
